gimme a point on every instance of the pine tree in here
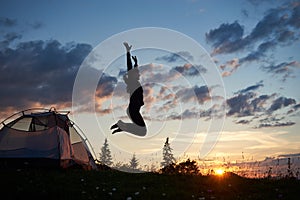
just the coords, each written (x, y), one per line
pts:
(133, 163)
(105, 155)
(168, 157)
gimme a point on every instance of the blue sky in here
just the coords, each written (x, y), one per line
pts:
(255, 46)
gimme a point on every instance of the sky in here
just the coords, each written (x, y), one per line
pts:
(253, 46)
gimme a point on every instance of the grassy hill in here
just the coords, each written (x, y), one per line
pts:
(109, 184)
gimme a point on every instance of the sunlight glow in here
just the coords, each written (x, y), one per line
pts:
(219, 172)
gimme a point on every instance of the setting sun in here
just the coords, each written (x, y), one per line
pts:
(219, 172)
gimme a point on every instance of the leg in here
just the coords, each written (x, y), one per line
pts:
(135, 115)
(132, 128)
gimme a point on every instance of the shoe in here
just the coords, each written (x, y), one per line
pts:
(114, 126)
(117, 130)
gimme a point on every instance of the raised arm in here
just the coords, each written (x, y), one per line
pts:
(135, 61)
(128, 48)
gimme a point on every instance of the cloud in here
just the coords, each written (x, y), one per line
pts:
(251, 88)
(240, 105)
(243, 121)
(39, 73)
(7, 22)
(294, 108)
(190, 70)
(175, 57)
(284, 68)
(106, 86)
(281, 102)
(196, 93)
(225, 37)
(256, 2)
(277, 124)
(225, 33)
(289, 155)
(278, 27)
(8, 38)
(258, 104)
(248, 103)
(36, 25)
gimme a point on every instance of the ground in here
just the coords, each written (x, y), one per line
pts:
(108, 184)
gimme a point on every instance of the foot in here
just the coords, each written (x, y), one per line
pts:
(117, 130)
(114, 126)
(127, 46)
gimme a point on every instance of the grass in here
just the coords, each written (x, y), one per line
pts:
(78, 184)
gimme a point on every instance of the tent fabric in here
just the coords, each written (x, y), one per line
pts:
(47, 135)
(15, 143)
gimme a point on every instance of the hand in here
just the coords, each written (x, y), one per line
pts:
(135, 61)
(127, 46)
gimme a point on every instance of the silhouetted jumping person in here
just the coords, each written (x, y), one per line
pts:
(135, 90)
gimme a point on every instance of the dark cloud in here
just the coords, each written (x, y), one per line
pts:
(174, 57)
(202, 93)
(7, 22)
(39, 73)
(8, 38)
(294, 20)
(106, 86)
(190, 70)
(247, 102)
(277, 124)
(258, 103)
(196, 93)
(281, 102)
(195, 113)
(251, 88)
(190, 114)
(290, 155)
(257, 2)
(225, 36)
(36, 25)
(243, 121)
(294, 109)
(240, 105)
(285, 69)
(186, 114)
(278, 27)
(271, 119)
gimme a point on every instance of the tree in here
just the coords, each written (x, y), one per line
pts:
(105, 155)
(168, 158)
(133, 163)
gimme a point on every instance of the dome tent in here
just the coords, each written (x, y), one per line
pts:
(43, 138)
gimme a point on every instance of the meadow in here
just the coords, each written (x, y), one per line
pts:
(111, 184)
